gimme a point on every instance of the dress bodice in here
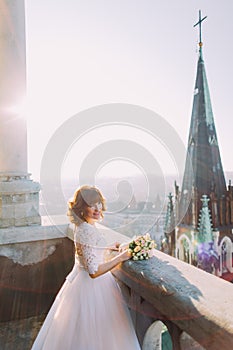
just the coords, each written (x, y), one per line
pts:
(90, 247)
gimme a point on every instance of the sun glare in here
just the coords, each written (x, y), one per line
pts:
(19, 109)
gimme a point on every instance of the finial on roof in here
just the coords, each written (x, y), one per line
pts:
(204, 200)
(199, 23)
(205, 223)
(170, 218)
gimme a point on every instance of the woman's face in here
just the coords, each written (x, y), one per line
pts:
(93, 213)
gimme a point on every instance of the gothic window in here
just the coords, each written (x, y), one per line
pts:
(186, 251)
(191, 142)
(224, 257)
(212, 140)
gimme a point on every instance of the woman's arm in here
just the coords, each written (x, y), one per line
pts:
(109, 265)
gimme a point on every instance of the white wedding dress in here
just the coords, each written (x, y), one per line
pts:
(88, 314)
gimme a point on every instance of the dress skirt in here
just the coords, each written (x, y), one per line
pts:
(88, 314)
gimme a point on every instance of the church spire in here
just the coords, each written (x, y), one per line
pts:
(203, 168)
(204, 188)
(168, 243)
(170, 217)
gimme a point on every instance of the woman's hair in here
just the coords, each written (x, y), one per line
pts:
(85, 196)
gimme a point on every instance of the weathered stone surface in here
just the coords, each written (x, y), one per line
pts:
(45, 231)
(20, 334)
(193, 300)
(34, 263)
(19, 204)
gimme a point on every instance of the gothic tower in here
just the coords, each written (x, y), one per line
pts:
(203, 173)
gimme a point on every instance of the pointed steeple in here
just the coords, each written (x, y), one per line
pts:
(203, 168)
(205, 224)
(169, 226)
(207, 256)
(170, 217)
(203, 175)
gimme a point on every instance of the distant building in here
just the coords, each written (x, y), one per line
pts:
(139, 217)
(202, 234)
(133, 204)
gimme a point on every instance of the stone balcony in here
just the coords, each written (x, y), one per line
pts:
(187, 300)
(195, 306)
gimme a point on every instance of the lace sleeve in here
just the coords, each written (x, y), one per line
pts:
(85, 239)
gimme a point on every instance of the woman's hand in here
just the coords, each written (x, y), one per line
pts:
(112, 263)
(115, 246)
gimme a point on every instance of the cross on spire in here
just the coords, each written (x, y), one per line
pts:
(199, 23)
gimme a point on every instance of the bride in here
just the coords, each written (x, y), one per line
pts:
(89, 312)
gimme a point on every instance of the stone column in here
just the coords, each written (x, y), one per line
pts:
(19, 196)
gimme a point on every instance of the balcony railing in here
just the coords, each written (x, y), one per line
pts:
(189, 301)
(184, 298)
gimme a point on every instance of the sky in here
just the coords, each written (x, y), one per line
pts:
(83, 53)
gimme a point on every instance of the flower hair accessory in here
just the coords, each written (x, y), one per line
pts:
(141, 247)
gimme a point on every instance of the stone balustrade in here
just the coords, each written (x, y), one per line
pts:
(185, 298)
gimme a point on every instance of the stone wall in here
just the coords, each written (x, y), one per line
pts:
(33, 268)
(19, 200)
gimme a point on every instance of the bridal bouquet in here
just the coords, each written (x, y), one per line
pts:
(141, 247)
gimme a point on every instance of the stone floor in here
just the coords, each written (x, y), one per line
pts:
(19, 335)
